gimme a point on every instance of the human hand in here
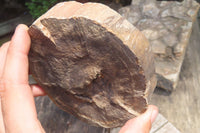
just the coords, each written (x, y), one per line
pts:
(142, 123)
(17, 102)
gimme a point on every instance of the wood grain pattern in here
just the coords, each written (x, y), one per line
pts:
(92, 65)
(55, 120)
(181, 107)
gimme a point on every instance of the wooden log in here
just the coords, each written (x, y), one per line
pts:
(92, 63)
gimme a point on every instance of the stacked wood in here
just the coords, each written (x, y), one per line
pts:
(92, 63)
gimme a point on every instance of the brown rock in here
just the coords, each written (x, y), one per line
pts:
(92, 63)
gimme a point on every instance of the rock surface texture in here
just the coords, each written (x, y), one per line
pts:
(92, 63)
(167, 25)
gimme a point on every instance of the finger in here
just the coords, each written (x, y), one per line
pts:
(2, 129)
(17, 56)
(142, 123)
(37, 90)
(18, 106)
(3, 52)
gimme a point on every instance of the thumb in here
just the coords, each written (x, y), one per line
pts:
(142, 123)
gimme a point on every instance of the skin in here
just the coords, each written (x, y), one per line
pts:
(18, 112)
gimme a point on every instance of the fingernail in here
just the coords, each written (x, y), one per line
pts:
(154, 115)
(20, 28)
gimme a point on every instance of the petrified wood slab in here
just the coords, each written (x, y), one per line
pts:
(55, 120)
(167, 25)
(92, 63)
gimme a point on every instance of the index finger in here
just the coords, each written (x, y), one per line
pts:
(18, 106)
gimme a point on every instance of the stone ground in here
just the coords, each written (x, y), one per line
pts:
(182, 106)
(167, 25)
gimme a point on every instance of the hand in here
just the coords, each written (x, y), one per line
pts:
(17, 102)
(142, 123)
